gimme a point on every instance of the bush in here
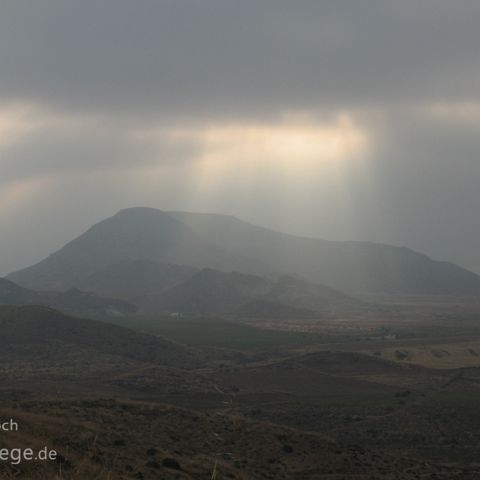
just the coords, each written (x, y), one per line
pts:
(171, 463)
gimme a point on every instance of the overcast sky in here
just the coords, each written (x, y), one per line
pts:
(339, 119)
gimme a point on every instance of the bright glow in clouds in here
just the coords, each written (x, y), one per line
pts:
(214, 166)
(19, 120)
(238, 162)
(295, 163)
(15, 122)
(295, 142)
(18, 193)
(455, 112)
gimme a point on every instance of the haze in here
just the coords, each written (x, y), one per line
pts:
(340, 120)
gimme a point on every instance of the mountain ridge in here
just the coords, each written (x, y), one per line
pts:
(227, 244)
(73, 300)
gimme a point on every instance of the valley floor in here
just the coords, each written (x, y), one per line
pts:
(303, 401)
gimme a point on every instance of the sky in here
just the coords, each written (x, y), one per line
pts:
(344, 120)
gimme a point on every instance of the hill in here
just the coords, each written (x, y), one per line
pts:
(211, 291)
(35, 331)
(141, 440)
(132, 234)
(228, 244)
(13, 294)
(136, 280)
(159, 288)
(297, 292)
(72, 300)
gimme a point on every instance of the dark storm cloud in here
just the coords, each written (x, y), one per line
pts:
(226, 57)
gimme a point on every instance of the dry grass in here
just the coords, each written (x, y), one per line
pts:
(435, 355)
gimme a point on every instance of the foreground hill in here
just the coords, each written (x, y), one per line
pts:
(32, 331)
(108, 439)
(72, 300)
(228, 244)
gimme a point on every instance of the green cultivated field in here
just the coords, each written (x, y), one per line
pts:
(219, 333)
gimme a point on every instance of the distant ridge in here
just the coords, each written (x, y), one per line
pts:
(71, 301)
(363, 267)
(227, 244)
(135, 280)
(167, 289)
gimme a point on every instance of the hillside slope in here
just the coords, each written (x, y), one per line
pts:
(134, 280)
(132, 234)
(31, 331)
(213, 292)
(71, 301)
(349, 266)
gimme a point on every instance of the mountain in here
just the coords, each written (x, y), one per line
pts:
(72, 300)
(131, 234)
(348, 266)
(30, 331)
(136, 280)
(228, 244)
